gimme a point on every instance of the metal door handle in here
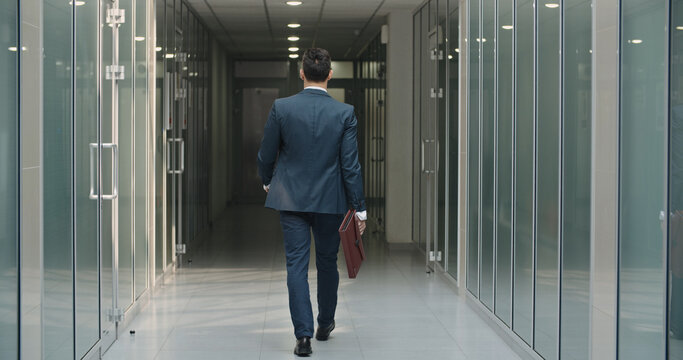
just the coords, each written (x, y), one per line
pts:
(436, 164)
(93, 195)
(115, 172)
(168, 156)
(380, 149)
(422, 155)
(182, 155)
(169, 168)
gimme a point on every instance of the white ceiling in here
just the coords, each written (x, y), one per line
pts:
(256, 29)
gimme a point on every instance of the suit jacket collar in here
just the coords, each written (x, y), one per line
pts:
(314, 91)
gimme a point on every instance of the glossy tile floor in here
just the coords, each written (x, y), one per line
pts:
(231, 303)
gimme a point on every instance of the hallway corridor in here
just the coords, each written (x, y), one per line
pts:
(231, 303)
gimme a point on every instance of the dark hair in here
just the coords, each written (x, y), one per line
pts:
(316, 64)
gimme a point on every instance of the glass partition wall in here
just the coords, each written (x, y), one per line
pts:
(529, 165)
(370, 103)
(435, 118)
(95, 110)
(9, 181)
(182, 82)
(92, 172)
(650, 247)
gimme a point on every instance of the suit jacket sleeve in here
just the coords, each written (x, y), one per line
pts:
(351, 171)
(270, 145)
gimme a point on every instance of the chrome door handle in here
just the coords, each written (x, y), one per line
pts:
(168, 156)
(115, 172)
(169, 168)
(436, 164)
(182, 155)
(422, 155)
(426, 171)
(93, 195)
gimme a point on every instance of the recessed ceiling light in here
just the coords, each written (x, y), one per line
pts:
(139, 38)
(294, 3)
(77, 3)
(637, 41)
(294, 25)
(450, 57)
(457, 50)
(507, 27)
(294, 48)
(293, 56)
(158, 48)
(293, 38)
(552, 5)
(170, 56)
(12, 48)
(679, 27)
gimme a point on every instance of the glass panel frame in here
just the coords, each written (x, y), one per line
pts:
(487, 151)
(504, 158)
(9, 181)
(473, 115)
(524, 174)
(548, 147)
(643, 156)
(58, 170)
(576, 178)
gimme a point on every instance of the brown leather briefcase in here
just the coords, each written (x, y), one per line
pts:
(352, 243)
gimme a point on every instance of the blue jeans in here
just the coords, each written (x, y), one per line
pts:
(296, 229)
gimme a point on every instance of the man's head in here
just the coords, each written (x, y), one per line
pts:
(316, 66)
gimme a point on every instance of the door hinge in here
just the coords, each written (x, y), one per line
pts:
(435, 256)
(116, 16)
(180, 93)
(115, 315)
(434, 94)
(436, 54)
(181, 57)
(115, 72)
(180, 249)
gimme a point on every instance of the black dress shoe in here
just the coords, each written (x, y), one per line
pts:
(322, 334)
(303, 346)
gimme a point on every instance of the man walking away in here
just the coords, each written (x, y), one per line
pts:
(308, 163)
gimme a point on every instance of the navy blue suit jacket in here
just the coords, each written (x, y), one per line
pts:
(309, 155)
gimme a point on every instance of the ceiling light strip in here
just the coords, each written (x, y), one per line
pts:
(317, 25)
(270, 26)
(363, 29)
(232, 41)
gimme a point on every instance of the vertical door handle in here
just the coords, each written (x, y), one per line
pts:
(168, 157)
(115, 172)
(424, 169)
(169, 148)
(93, 150)
(182, 155)
(436, 164)
(422, 155)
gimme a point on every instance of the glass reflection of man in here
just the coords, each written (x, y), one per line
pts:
(676, 224)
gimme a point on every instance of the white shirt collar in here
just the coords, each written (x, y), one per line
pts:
(315, 88)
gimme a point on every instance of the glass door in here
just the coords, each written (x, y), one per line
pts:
(431, 26)
(122, 150)
(429, 152)
(111, 74)
(176, 76)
